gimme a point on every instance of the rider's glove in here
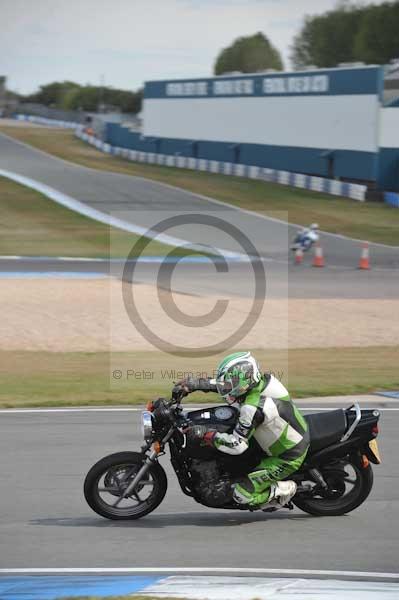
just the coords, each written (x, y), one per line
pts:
(184, 387)
(179, 391)
(209, 438)
(201, 433)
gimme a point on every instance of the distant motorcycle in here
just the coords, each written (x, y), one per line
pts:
(305, 240)
(335, 478)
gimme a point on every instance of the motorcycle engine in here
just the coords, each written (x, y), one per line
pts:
(213, 486)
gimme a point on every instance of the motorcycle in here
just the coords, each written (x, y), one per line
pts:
(335, 478)
(305, 240)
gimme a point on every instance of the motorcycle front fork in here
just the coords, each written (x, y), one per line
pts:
(132, 485)
(149, 461)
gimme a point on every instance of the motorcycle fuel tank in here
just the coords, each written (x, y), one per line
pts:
(221, 418)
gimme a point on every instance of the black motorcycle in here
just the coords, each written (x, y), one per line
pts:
(335, 478)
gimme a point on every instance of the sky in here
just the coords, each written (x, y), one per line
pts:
(123, 43)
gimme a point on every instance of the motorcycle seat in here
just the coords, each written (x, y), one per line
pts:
(325, 428)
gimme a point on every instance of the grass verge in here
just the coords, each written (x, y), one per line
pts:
(33, 225)
(370, 221)
(73, 379)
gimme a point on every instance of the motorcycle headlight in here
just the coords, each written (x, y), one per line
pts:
(146, 425)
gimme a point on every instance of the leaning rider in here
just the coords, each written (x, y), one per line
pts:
(268, 414)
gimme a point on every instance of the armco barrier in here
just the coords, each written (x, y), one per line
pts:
(392, 199)
(48, 122)
(299, 180)
(318, 184)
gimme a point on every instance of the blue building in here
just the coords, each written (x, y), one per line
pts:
(327, 123)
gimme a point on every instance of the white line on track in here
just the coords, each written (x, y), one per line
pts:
(111, 221)
(16, 411)
(216, 570)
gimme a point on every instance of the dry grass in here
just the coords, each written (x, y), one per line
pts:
(78, 378)
(372, 221)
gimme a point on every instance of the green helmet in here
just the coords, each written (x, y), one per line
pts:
(236, 375)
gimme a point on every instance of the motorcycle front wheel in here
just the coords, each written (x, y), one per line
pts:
(109, 478)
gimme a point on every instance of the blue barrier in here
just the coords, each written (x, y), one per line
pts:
(299, 180)
(392, 199)
(350, 164)
(48, 122)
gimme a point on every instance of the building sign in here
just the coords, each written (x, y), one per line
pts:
(297, 84)
(305, 84)
(233, 87)
(187, 88)
(345, 81)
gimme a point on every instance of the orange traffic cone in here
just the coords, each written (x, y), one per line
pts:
(318, 259)
(364, 262)
(298, 255)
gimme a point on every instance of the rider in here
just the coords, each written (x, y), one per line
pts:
(310, 233)
(268, 414)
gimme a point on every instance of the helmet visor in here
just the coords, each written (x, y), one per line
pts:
(228, 388)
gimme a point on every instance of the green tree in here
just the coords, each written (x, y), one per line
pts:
(67, 99)
(52, 94)
(348, 33)
(328, 39)
(88, 98)
(72, 96)
(248, 55)
(377, 40)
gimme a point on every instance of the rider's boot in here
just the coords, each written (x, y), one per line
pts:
(280, 494)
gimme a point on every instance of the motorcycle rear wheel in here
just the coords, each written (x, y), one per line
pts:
(111, 475)
(342, 504)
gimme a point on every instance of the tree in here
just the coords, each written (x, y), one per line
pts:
(348, 33)
(52, 93)
(72, 96)
(328, 39)
(248, 55)
(377, 40)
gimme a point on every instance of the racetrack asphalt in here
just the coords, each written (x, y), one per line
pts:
(138, 200)
(203, 279)
(45, 522)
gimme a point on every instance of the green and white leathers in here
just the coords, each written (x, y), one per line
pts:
(268, 414)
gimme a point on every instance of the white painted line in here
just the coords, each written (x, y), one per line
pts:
(62, 258)
(376, 407)
(16, 411)
(192, 260)
(122, 260)
(111, 221)
(52, 275)
(227, 570)
(197, 587)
